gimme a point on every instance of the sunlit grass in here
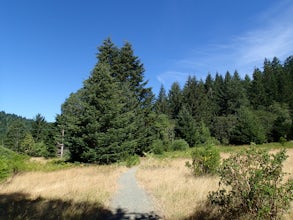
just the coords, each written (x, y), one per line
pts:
(176, 192)
(79, 184)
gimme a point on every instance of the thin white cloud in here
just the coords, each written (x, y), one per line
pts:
(271, 37)
(169, 77)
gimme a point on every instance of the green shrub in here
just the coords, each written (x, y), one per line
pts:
(4, 168)
(205, 160)
(10, 162)
(282, 141)
(39, 150)
(179, 145)
(132, 160)
(158, 147)
(252, 186)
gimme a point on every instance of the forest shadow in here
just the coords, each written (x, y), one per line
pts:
(21, 206)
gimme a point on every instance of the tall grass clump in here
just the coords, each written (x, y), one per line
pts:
(252, 186)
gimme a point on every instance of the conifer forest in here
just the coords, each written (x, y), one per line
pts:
(115, 114)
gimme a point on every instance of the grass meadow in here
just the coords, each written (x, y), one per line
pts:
(78, 192)
(178, 194)
(52, 189)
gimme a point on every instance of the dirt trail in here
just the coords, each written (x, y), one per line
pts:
(131, 201)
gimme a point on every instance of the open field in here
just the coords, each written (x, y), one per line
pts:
(78, 193)
(176, 192)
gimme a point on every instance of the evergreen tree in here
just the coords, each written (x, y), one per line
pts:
(219, 96)
(282, 121)
(100, 127)
(39, 128)
(223, 127)
(109, 54)
(190, 95)
(161, 104)
(186, 126)
(175, 100)
(205, 108)
(211, 96)
(248, 128)
(164, 129)
(257, 95)
(270, 83)
(15, 135)
(127, 69)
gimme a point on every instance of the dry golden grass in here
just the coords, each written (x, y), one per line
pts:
(176, 192)
(94, 184)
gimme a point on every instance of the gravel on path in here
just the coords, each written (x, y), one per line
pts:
(131, 201)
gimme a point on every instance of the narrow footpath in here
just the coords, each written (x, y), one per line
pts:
(131, 201)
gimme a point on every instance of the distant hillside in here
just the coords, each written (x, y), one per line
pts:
(7, 119)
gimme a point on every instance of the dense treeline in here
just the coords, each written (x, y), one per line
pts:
(233, 110)
(115, 114)
(33, 137)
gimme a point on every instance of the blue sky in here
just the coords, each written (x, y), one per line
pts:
(48, 47)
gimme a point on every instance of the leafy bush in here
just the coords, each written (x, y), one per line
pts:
(179, 145)
(158, 147)
(252, 186)
(202, 134)
(39, 150)
(132, 160)
(282, 141)
(205, 160)
(10, 162)
(4, 168)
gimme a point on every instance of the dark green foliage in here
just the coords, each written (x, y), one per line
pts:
(223, 127)
(10, 162)
(98, 124)
(132, 160)
(282, 121)
(161, 104)
(158, 147)
(28, 136)
(111, 117)
(205, 160)
(164, 129)
(252, 186)
(126, 69)
(39, 126)
(175, 100)
(202, 134)
(179, 145)
(15, 135)
(236, 110)
(248, 128)
(27, 144)
(186, 126)
(7, 119)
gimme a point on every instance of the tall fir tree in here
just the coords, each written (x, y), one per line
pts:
(161, 104)
(39, 128)
(256, 92)
(112, 115)
(190, 96)
(175, 100)
(99, 128)
(270, 83)
(219, 95)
